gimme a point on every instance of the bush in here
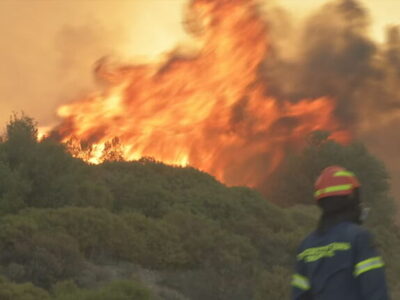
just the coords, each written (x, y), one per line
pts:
(117, 290)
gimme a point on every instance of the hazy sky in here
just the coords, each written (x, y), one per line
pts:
(48, 47)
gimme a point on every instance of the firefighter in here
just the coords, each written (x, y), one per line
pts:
(338, 261)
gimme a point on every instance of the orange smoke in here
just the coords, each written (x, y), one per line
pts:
(210, 110)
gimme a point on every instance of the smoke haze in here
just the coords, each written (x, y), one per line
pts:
(334, 56)
(49, 48)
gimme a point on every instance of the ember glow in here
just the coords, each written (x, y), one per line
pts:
(210, 110)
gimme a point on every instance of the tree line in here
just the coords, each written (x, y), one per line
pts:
(144, 230)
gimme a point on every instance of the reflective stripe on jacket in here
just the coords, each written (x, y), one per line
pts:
(340, 264)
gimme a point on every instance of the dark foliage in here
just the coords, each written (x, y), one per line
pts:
(145, 230)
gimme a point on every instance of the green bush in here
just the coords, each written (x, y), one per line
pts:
(117, 290)
(27, 291)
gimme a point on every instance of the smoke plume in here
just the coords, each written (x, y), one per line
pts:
(333, 55)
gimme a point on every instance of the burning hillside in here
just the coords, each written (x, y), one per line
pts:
(211, 110)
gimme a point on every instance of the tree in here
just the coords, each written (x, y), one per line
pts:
(112, 151)
(293, 183)
(21, 137)
(14, 190)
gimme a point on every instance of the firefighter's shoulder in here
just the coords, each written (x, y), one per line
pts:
(356, 229)
(360, 235)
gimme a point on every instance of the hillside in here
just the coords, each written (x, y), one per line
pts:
(145, 230)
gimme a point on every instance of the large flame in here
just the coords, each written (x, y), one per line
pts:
(210, 110)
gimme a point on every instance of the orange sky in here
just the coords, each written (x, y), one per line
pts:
(48, 48)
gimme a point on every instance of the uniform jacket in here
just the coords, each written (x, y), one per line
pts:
(340, 264)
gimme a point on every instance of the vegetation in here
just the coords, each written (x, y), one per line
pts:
(145, 230)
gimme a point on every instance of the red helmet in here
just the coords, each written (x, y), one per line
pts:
(335, 181)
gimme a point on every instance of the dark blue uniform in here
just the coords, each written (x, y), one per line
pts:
(341, 264)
